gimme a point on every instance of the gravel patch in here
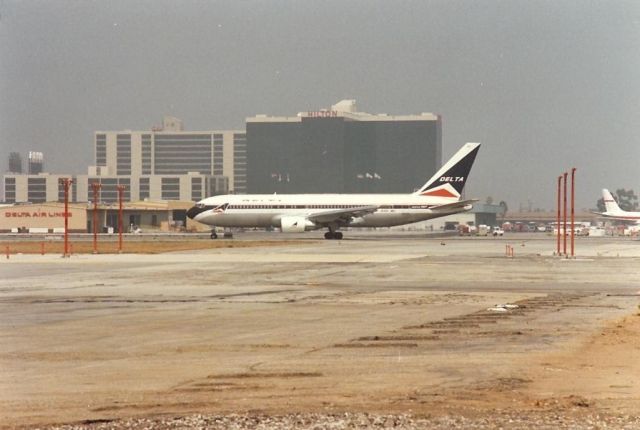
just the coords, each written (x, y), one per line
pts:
(497, 420)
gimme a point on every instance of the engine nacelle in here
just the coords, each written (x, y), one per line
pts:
(295, 224)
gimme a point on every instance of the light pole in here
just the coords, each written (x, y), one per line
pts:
(558, 215)
(573, 201)
(96, 188)
(66, 183)
(564, 215)
(120, 189)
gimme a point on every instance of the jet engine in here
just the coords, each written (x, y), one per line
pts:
(295, 224)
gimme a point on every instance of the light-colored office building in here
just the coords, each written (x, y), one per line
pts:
(47, 187)
(165, 163)
(40, 188)
(169, 150)
(189, 187)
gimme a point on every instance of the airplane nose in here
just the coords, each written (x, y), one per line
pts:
(195, 210)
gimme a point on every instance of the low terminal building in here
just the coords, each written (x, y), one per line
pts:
(145, 216)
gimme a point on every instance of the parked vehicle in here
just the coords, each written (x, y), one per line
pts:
(483, 230)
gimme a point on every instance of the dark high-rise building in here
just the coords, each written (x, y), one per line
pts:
(35, 163)
(15, 162)
(342, 151)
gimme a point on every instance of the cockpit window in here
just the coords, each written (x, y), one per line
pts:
(200, 205)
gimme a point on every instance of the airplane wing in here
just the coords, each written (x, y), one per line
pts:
(342, 216)
(449, 207)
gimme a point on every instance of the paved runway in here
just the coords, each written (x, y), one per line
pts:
(370, 323)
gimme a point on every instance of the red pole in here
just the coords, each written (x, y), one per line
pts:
(41, 248)
(120, 190)
(96, 186)
(66, 182)
(66, 218)
(564, 215)
(558, 217)
(573, 201)
(7, 251)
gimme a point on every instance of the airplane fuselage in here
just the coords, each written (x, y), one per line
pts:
(267, 210)
(292, 213)
(613, 211)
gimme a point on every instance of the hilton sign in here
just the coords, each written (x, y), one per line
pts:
(322, 114)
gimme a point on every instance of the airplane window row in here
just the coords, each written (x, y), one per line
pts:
(294, 206)
(322, 207)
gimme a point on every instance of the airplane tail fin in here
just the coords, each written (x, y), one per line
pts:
(609, 202)
(450, 179)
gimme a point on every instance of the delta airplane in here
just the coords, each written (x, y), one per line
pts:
(440, 196)
(613, 210)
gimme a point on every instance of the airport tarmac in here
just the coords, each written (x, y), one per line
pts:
(382, 323)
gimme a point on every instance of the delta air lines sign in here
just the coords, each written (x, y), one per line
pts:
(37, 214)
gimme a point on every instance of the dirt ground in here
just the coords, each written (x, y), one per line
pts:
(601, 371)
(374, 327)
(129, 247)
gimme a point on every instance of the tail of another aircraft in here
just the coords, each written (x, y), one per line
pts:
(609, 202)
(450, 179)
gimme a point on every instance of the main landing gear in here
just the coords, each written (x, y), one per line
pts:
(333, 235)
(226, 234)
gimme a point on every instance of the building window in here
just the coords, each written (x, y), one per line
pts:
(37, 190)
(179, 154)
(170, 188)
(146, 154)
(61, 191)
(144, 188)
(10, 190)
(101, 149)
(218, 154)
(72, 191)
(123, 154)
(109, 189)
(240, 163)
(196, 189)
(217, 185)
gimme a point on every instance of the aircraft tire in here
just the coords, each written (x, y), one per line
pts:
(328, 235)
(337, 235)
(214, 235)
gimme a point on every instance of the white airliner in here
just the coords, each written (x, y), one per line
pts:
(440, 196)
(613, 210)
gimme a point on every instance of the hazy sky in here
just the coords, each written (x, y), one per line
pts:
(544, 85)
